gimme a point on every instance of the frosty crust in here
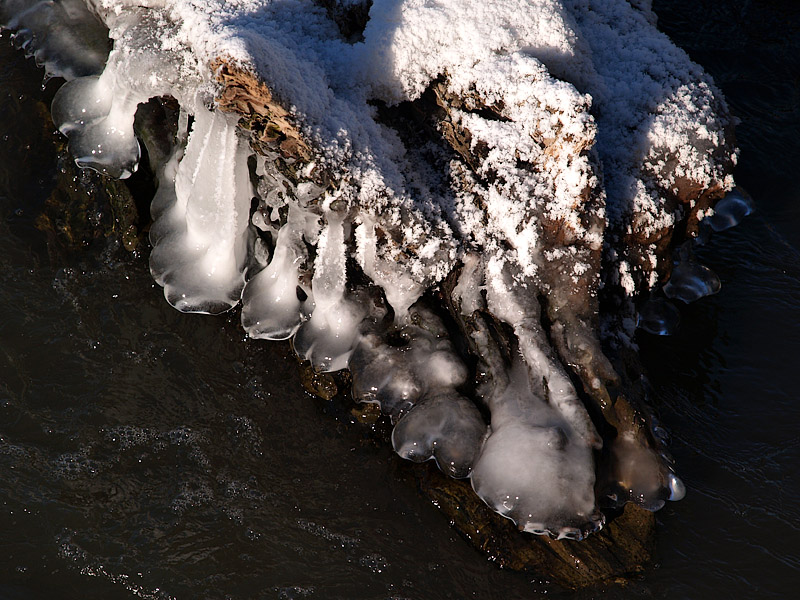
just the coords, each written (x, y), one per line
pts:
(560, 144)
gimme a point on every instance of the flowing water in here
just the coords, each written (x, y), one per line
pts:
(148, 453)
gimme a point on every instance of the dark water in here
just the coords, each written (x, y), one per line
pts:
(148, 453)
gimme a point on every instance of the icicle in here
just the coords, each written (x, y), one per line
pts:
(271, 307)
(97, 117)
(200, 237)
(329, 337)
(64, 37)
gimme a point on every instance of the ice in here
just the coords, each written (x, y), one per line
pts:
(413, 373)
(677, 490)
(97, 113)
(64, 36)
(536, 465)
(445, 426)
(514, 304)
(533, 467)
(329, 337)
(271, 306)
(639, 475)
(200, 235)
(99, 125)
(691, 281)
(384, 374)
(730, 210)
(659, 317)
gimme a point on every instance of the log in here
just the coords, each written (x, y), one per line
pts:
(511, 285)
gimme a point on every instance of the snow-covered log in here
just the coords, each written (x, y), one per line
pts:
(470, 205)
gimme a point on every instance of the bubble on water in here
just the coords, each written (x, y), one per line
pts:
(341, 540)
(374, 562)
(181, 436)
(193, 493)
(129, 436)
(294, 592)
(74, 465)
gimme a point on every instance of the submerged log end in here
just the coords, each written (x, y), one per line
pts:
(623, 547)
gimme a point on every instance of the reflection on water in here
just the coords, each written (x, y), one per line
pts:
(148, 453)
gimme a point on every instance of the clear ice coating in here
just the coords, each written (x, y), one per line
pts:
(64, 36)
(691, 281)
(444, 426)
(272, 308)
(567, 138)
(99, 125)
(658, 316)
(730, 210)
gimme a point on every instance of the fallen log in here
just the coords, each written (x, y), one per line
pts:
(469, 230)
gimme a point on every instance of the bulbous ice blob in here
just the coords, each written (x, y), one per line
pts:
(64, 37)
(108, 145)
(271, 308)
(533, 467)
(730, 210)
(691, 281)
(80, 102)
(329, 337)
(384, 375)
(444, 426)
(398, 376)
(659, 317)
(201, 235)
(677, 491)
(637, 474)
(98, 120)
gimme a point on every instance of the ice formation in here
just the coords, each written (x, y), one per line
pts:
(561, 142)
